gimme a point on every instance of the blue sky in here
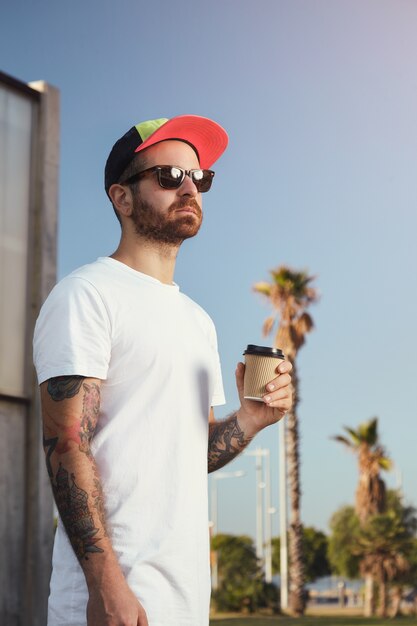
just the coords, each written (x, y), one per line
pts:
(319, 99)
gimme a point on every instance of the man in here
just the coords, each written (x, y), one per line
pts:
(129, 372)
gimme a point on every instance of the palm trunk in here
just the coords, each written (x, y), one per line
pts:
(396, 601)
(383, 605)
(369, 601)
(296, 555)
(383, 595)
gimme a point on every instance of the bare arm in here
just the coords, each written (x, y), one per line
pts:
(226, 440)
(229, 437)
(71, 409)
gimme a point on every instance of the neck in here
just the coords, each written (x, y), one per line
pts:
(149, 257)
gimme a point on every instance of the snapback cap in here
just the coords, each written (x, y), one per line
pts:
(208, 139)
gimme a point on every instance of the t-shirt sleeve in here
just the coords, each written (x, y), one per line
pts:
(73, 332)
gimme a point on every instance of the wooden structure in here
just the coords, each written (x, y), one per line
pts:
(29, 157)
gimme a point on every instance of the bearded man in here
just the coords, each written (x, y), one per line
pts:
(129, 373)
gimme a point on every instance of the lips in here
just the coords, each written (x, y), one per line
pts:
(189, 207)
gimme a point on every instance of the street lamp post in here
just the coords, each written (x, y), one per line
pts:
(263, 544)
(283, 516)
(260, 485)
(268, 522)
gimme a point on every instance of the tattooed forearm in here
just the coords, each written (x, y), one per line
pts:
(63, 387)
(67, 442)
(90, 414)
(72, 503)
(89, 419)
(226, 440)
(49, 445)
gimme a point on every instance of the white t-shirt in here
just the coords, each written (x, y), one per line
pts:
(156, 353)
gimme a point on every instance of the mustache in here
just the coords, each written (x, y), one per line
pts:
(184, 202)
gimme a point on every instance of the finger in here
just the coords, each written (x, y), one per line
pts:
(284, 380)
(143, 620)
(282, 404)
(276, 396)
(284, 367)
(240, 374)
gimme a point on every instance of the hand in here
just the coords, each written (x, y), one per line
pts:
(115, 605)
(253, 416)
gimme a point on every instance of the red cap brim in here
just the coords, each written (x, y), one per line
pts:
(208, 138)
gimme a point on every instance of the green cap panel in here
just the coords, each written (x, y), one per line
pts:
(146, 129)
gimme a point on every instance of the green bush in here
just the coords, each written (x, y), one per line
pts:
(241, 585)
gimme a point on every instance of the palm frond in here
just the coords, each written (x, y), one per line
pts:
(263, 288)
(355, 436)
(296, 283)
(369, 431)
(304, 324)
(268, 325)
(342, 439)
(385, 463)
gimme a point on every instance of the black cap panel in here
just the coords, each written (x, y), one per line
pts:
(120, 156)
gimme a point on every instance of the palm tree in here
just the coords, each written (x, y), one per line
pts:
(372, 458)
(290, 294)
(383, 544)
(370, 493)
(406, 575)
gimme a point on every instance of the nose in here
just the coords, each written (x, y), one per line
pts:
(187, 188)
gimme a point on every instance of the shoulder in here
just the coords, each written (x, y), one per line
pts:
(196, 308)
(78, 296)
(87, 278)
(93, 273)
(74, 329)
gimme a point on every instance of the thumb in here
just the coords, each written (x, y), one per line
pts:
(240, 374)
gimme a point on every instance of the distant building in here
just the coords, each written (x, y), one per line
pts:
(29, 159)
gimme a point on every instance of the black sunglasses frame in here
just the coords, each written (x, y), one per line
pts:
(202, 184)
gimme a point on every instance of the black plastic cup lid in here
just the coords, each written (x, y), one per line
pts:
(264, 351)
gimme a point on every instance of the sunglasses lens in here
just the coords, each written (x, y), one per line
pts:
(203, 179)
(170, 177)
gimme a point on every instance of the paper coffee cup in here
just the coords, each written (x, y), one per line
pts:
(260, 369)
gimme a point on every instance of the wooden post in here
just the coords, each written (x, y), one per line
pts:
(26, 520)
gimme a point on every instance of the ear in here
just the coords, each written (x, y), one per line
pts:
(121, 197)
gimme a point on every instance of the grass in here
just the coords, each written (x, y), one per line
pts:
(313, 620)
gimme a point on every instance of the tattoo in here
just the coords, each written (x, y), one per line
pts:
(89, 419)
(226, 440)
(63, 387)
(51, 445)
(72, 503)
(99, 501)
(90, 414)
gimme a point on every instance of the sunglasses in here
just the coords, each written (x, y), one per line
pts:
(172, 177)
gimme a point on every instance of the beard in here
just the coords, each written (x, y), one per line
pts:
(166, 228)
